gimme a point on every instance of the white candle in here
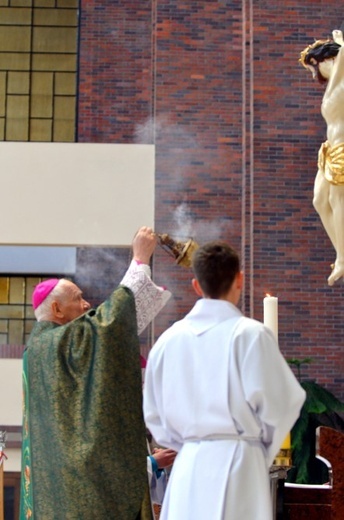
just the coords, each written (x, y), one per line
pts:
(271, 314)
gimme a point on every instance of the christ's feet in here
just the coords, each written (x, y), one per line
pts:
(337, 272)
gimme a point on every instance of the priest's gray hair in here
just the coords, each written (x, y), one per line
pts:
(43, 311)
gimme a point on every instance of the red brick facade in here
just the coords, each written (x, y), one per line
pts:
(217, 86)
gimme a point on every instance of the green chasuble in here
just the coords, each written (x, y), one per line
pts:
(84, 443)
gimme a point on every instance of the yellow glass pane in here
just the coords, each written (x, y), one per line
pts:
(65, 83)
(17, 107)
(17, 130)
(31, 282)
(44, 3)
(64, 107)
(42, 94)
(17, 289)
(12, 311)
(4, 326)
(9, 15)
(41, 106)
(14, 61)
(21, 3)
(2, 129)
(29, 324)
(3, 339)
(67, 3)
(41, 129)
(42, 82)
(15, 39)
(4, 289)
(29, 313)
(64, 131)
(55, 62)
(18, 83)
(55, 17)
(2, 93)
(16, 332)
(54, 39)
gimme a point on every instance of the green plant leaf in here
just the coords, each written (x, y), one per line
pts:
(320, 400)
(320, 408)
(299, 362)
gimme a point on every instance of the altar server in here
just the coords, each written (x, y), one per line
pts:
(218, 391)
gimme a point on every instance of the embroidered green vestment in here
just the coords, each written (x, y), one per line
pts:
(84, 444)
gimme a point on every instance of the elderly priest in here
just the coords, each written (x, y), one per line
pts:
(84, 438)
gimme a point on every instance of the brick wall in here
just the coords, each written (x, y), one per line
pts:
(217, 87)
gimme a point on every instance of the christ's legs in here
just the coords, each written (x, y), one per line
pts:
(321, 203)
(336, 199)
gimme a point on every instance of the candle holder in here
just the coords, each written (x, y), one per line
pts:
(283, 457)
(181, 251)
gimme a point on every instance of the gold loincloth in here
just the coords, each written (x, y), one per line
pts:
(331, 162)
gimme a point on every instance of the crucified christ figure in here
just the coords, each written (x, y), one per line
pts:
(325, 60)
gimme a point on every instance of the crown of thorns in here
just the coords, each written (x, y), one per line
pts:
(304, 53)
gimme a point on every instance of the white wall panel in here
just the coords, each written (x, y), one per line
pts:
(70, 194)
(11, 392)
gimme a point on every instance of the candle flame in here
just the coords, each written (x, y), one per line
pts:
(268, 295)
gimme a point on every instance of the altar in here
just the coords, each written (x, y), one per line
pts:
(313, 502)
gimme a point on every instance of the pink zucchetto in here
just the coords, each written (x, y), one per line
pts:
(42, 290)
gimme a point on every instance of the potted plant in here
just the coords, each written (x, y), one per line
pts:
(321, 408)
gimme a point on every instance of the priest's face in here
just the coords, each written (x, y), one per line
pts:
(72, 304)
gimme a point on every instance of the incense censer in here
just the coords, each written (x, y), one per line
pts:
(181, 251)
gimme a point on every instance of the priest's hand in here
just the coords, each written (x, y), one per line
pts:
(144, 244)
